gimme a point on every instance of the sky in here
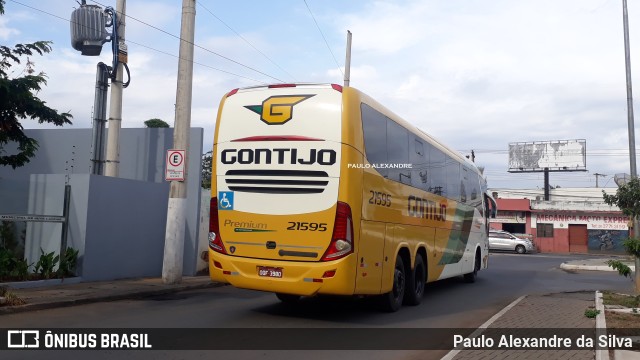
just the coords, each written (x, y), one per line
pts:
(475, 74)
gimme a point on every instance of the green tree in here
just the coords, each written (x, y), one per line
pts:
(206, 170)
(627, 198)
(18, 100)
(156, 123)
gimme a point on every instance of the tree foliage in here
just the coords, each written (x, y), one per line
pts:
(206, 170)
(627, 198)
(156, 123)
(18, 101)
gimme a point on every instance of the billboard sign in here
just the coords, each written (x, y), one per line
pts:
(555, 155)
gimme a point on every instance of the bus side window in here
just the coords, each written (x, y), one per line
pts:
(437, 172)
(419, 160)
(398, 152)
(374, 127)
(454, 180)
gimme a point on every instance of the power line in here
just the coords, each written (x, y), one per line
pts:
(197, 63)
(133, 42)
(325, 39)
(196, 45)
(247, 41)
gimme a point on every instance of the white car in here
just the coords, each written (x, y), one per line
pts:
(502, 240)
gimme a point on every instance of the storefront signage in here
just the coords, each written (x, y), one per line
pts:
(593, 221)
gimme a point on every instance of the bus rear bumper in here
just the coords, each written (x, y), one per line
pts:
(297, 278)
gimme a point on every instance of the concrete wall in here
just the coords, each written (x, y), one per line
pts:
(114, 241)
(67, 152)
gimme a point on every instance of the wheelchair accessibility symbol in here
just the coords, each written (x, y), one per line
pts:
(225, 200)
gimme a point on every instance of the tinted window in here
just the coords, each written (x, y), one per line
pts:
(437, 172)
(454, 181)
(419, 152)
(398, 152)
(374, 126)
(473, 189)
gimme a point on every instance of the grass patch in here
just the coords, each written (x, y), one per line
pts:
(591, 313)
(630, 301)
(12, 299)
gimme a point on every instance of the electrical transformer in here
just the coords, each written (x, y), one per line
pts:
(88, 29)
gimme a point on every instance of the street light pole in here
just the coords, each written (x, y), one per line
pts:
(630, 124)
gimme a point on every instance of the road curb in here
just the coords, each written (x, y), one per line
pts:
(104, 298)
(601, 327)
(566, 266)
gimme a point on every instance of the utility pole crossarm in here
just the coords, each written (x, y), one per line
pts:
(597, 175)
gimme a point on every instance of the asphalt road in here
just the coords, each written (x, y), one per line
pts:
(447, 304)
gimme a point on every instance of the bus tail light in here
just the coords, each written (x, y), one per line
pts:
(215, 241)
(342, 238)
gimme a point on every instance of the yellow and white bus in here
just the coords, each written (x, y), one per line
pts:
(319, 189)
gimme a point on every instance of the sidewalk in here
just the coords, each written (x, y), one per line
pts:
(39, 298)
(551, 311)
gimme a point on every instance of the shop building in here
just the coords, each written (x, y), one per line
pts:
(573, 220)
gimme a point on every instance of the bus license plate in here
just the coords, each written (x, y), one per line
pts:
(269, 271)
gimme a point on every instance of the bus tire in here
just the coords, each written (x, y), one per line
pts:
(392, 301)
(415, 283)
(288, 298)
(471, 277)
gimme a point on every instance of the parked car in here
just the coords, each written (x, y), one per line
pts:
(502, 240)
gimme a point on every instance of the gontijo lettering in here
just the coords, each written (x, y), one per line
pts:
(426, 209)
(279, 156)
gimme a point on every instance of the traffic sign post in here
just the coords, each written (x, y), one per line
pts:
(175, 165)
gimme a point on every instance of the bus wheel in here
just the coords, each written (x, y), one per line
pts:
(415, 284)
(392, 301)
(471, 277)
(288, 298)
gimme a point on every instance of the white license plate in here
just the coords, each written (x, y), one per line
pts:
(268, 271)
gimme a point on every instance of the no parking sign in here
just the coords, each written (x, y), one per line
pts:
(175, 165)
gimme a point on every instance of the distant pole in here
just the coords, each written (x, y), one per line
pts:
(347, 65)
(632, 137)
(597, 176)
(546, 184)
(176, 211)
(115, 104)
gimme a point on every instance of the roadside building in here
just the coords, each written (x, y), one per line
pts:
(573, 220)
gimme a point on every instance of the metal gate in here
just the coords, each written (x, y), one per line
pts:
(578, 238)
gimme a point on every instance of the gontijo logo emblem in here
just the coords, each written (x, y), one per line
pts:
(277, 110)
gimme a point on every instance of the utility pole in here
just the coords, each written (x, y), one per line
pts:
(176, 211)
(347, 65)
(632, 138)
(597, 176)
(115, 104)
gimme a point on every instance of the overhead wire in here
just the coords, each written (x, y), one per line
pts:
(142, 45)
(246, 41)
(323, 37)
(195, 45)
(197, 63)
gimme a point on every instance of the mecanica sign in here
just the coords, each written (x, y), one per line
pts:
(593, 221)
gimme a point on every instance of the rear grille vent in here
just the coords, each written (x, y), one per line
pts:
(277, 181)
